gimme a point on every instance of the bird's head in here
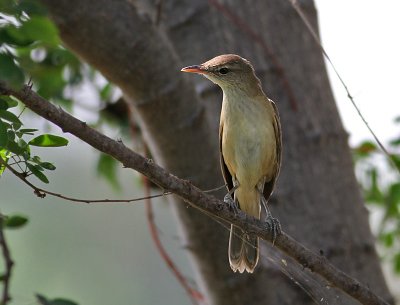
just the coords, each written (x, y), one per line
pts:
(228, 71)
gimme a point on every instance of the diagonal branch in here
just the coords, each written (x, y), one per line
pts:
(191, 194)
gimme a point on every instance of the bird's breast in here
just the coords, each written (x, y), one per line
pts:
(248, 140)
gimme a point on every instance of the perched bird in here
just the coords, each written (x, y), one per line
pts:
(250, 147)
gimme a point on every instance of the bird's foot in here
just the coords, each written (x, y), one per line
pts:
(274, 226)
(231, 203)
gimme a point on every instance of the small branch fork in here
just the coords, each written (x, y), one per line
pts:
(193, 195)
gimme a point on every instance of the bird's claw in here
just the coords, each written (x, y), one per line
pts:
(231, 203)
(274, 226)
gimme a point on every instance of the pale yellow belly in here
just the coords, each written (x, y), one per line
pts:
(248, 148)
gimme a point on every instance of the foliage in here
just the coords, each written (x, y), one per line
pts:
(31, 51)
(379, 178)
(14, 146)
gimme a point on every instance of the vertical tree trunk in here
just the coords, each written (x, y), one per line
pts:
(317, 200)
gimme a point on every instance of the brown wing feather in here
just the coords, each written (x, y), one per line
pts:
(225, 172)
(269, 185)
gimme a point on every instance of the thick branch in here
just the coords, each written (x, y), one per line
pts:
(191, 194)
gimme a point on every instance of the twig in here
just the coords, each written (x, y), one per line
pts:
(8, 263)
(42, 192)
(307, 23)
(193, 195)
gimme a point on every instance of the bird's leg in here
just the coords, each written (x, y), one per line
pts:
(232, 203)
(273, 223)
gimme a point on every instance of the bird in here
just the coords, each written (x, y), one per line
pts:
(250, 143)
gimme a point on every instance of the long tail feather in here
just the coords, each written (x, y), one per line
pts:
(243, 251)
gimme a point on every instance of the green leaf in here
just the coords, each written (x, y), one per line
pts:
(48, 166)
(15, 221)
(40, 28)
(36, 170)
(15, 8)
(7, 102)
(374, 193)
(396, 160)
(7, 7)
(107, 168)
(397, 263)
(10, 117)
(4, 155)
(10, 72)
(32, 7)
(388, 239)
(3, 135)
(12, 35)
(393, 200)
(3, 104)
(59, 301)
(28, 130)
(62, 302)
(11, 135)
(395, 142)
(42, 299)
(48, 140)
(105, 92)
(365, 149)
(15, 148)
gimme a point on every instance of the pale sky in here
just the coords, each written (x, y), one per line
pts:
(362, 39)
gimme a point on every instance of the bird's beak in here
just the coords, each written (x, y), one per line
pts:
(194, 69)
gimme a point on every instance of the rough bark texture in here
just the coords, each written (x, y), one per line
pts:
(317, 199)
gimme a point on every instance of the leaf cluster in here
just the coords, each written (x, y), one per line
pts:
(380, 182)
(30, 48)
(15, 149)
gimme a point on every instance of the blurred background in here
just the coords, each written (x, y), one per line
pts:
(103, 254)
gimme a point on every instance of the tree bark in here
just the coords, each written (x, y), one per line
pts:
(317, 199)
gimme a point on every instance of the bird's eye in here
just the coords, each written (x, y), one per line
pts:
(223, 70)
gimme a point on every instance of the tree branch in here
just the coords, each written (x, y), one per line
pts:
(8, 262)
(42, 192)
(191, 194)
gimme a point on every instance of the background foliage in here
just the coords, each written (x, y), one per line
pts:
(31, 52)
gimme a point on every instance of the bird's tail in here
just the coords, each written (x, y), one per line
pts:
(243, 250)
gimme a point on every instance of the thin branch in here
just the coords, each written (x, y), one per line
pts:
(42, 192)
(193, 195)
(8, 263)
(194, 295)
(307, 23)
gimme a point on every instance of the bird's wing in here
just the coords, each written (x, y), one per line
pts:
(225, 172)
(269, 185)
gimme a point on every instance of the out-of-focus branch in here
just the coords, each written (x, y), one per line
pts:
(191, 194)
(8, 263)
